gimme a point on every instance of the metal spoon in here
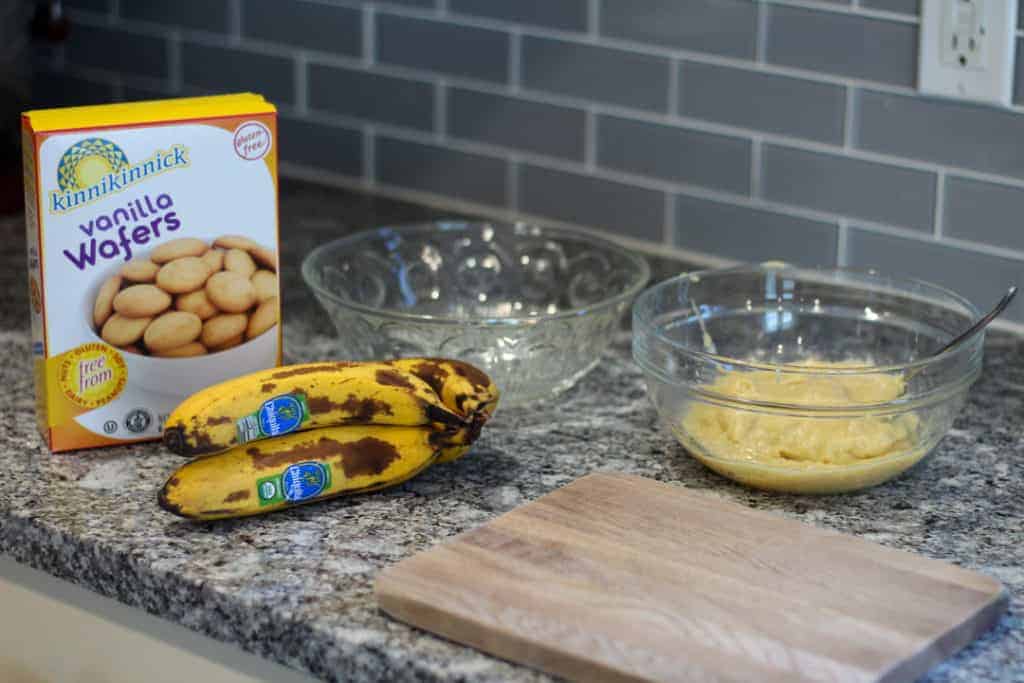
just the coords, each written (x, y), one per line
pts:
(982, 321)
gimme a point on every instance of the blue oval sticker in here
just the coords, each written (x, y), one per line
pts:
(303, 481)
(280, 415)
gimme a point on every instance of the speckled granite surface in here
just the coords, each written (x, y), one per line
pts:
(296, 587)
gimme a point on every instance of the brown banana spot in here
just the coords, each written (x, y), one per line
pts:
(321, 449)
(236, 496)
(268, 387)
(201, 443)
(367, 457)
(165, 502)
(173, 481)
(431, 373)
(476, 377)
(361, 410)
(214, 421)
(393, 379)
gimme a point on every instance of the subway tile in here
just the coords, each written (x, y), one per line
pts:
(331, 148)
(596, 73)
(447, 48)
(108, 48)
(674, 154)
(853, 187)
(516, 123)
(413, 3)
(747, 234)
(372, 96)
(842, 44)
(765, 102)
(310, 25)
(619, 208)
(982, 278)
(724, 27)
(941, 131)
(221, 69)
(567, 15)
(983, 212)
(205, 15)
(441, 171)
(51, 89)
(901, 6)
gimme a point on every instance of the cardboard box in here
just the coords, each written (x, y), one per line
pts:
(152, 258)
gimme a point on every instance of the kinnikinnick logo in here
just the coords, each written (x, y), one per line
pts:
(93, 168)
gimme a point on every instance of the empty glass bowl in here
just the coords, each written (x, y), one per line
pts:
(533, 307)
(804, 380)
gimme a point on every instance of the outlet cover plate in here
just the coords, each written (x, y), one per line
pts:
(967, 48)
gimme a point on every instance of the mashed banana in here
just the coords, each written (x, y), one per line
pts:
(821, 454)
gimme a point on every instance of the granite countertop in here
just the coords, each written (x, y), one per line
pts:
(297, 586)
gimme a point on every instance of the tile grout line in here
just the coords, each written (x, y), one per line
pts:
(442, 8)
(369, 35)
(854, 9)
(114, 9)
(515, 54)
(849, 122)
(756, 167)
(235, 21)
(940, 204)
(673, 87)
(761, 34)
(369, 155)
(842, 243)
(301, 75)
(175, 69)
(441, 110)
(590, 140)
(593, 20)
(512, 183)
(668, 227)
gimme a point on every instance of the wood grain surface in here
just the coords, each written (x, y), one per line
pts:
(621, 578)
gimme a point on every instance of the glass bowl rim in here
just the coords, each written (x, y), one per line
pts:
(640, 272)
(643, 324)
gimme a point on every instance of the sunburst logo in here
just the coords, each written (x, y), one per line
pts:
(87, 161)
(93, 168)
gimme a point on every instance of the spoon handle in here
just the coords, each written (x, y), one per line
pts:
(982, 321)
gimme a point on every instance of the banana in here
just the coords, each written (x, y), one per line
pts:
(282, 400)
(297, 469)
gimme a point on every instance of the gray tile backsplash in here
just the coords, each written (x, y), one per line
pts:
(446, 48)
(516, 123)
(205, 15)
(842, 44)
(762, 102)
(984, 212)
(224, 69)
(675, 154)
(851, 187)
(761, 125)
(724, 27)
(595, 73)
(946, 132)
(982, 278)
(310, 25)
(431, 168)
(332, 148)
(748, 234)
(620, 208)
(565, 15)
(136, 54)
(371, 96)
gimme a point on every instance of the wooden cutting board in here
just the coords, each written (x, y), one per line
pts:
(620, 578)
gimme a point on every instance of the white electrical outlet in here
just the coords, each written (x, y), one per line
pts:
(967, 49)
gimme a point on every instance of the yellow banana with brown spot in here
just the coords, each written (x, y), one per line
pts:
(287, 399)
(298, 468)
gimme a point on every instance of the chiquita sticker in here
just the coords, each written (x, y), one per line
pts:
(297, 483)
(279, 415)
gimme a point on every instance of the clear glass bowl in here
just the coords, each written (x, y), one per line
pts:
(533, 307)
(863, 403)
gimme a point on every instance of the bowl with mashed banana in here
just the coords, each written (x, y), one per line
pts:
(805, 380)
